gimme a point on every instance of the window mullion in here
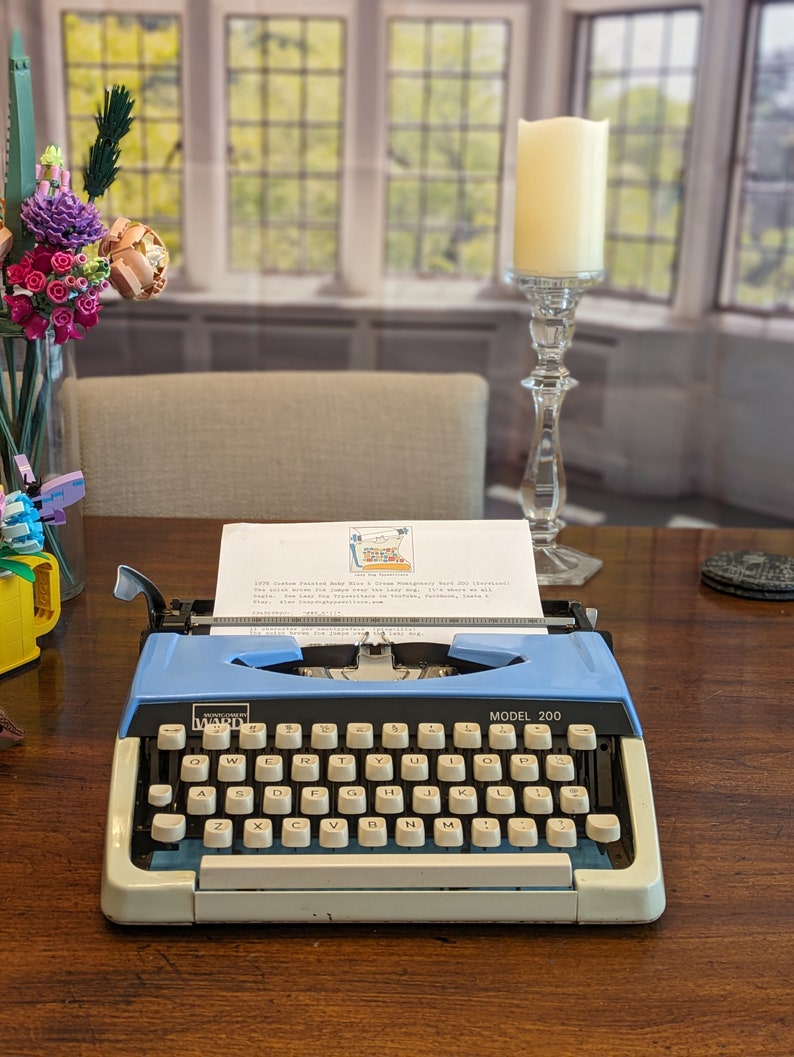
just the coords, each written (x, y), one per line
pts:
(361, 234)
(710, 159)
(203, 147)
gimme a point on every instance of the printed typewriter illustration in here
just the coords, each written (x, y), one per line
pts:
(503, 778)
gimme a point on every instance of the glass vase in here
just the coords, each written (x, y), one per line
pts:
(38, 419)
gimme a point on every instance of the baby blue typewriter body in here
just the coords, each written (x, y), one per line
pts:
(515, 790)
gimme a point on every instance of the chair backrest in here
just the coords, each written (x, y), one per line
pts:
(286, 445)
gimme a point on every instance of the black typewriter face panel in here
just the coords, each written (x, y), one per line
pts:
(608, 716)
(324, 785)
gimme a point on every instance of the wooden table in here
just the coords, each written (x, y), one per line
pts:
(711, 677)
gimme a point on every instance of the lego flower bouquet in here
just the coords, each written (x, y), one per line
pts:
(57, 259)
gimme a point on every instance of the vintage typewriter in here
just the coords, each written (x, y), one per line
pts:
(503, 778)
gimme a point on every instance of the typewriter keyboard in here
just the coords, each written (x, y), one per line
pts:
(284, 806)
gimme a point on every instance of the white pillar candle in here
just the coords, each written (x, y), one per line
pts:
(561, 183)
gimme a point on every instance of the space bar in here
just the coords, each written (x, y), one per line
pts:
(426, 870)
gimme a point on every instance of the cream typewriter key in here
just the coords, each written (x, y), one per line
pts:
(500, 800)
(231, 768)
(315, 800)
(171, 736)
(581, 736)
(218, 833)
(524, 768)
(409, 833)
(324, 736)
(288, 736)
(430, 736)
(334, 833)
(462, 799)
(414, 768)
(258, 833)
(277, 800)
(485, 833)
(201, 800)
(239, 800)
(466, 736)
(538, 800)
(561, 832)
(522, 832)
(447, 833)
(378, 768)
(602, 828)
(168, 829)
(216, 736)
(537, 736)
(372, 832)
(389, 800)
(296, 833)
(450, 768)
(487, 768)
(269, 769)
(574, 800)
(253, 736)
(501, 736)
(305, 768)
(351, 800)
(560, 768)
(394, 736)
(342, 768)
(160, 795)
(195, 768)
(426, 799)
(359, 736)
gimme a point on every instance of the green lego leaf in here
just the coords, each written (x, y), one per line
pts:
(113, 123)
(14, 566)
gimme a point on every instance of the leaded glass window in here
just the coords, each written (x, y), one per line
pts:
(446, 98)
(284, 114)
(641, 73)
(142, 52)
(761, 272)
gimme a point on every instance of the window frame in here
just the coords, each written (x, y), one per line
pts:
(542, 83)
(363, 190)
(725, 303)
(721, 52)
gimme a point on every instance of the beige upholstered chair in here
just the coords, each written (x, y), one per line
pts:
(286, 445)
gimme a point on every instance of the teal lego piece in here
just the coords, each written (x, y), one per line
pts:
(21, 149)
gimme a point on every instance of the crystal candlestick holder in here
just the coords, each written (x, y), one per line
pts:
(553, 300)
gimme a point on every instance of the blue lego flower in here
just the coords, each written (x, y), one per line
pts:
(21, 529)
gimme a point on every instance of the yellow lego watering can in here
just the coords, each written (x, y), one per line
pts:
(28, 609)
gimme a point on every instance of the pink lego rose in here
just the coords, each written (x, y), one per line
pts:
(63, 324)
(40, 258)
(36, 281)
(87, 303)
(57, 291)
(62, 262)
(88, 318)
(18, 273)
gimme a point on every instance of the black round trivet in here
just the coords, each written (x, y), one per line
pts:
(750, 574)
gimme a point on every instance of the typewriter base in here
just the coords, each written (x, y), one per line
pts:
(133, 896)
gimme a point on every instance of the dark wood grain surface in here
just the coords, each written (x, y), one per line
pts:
(711, 676)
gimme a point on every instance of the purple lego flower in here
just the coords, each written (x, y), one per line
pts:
(62, 220)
